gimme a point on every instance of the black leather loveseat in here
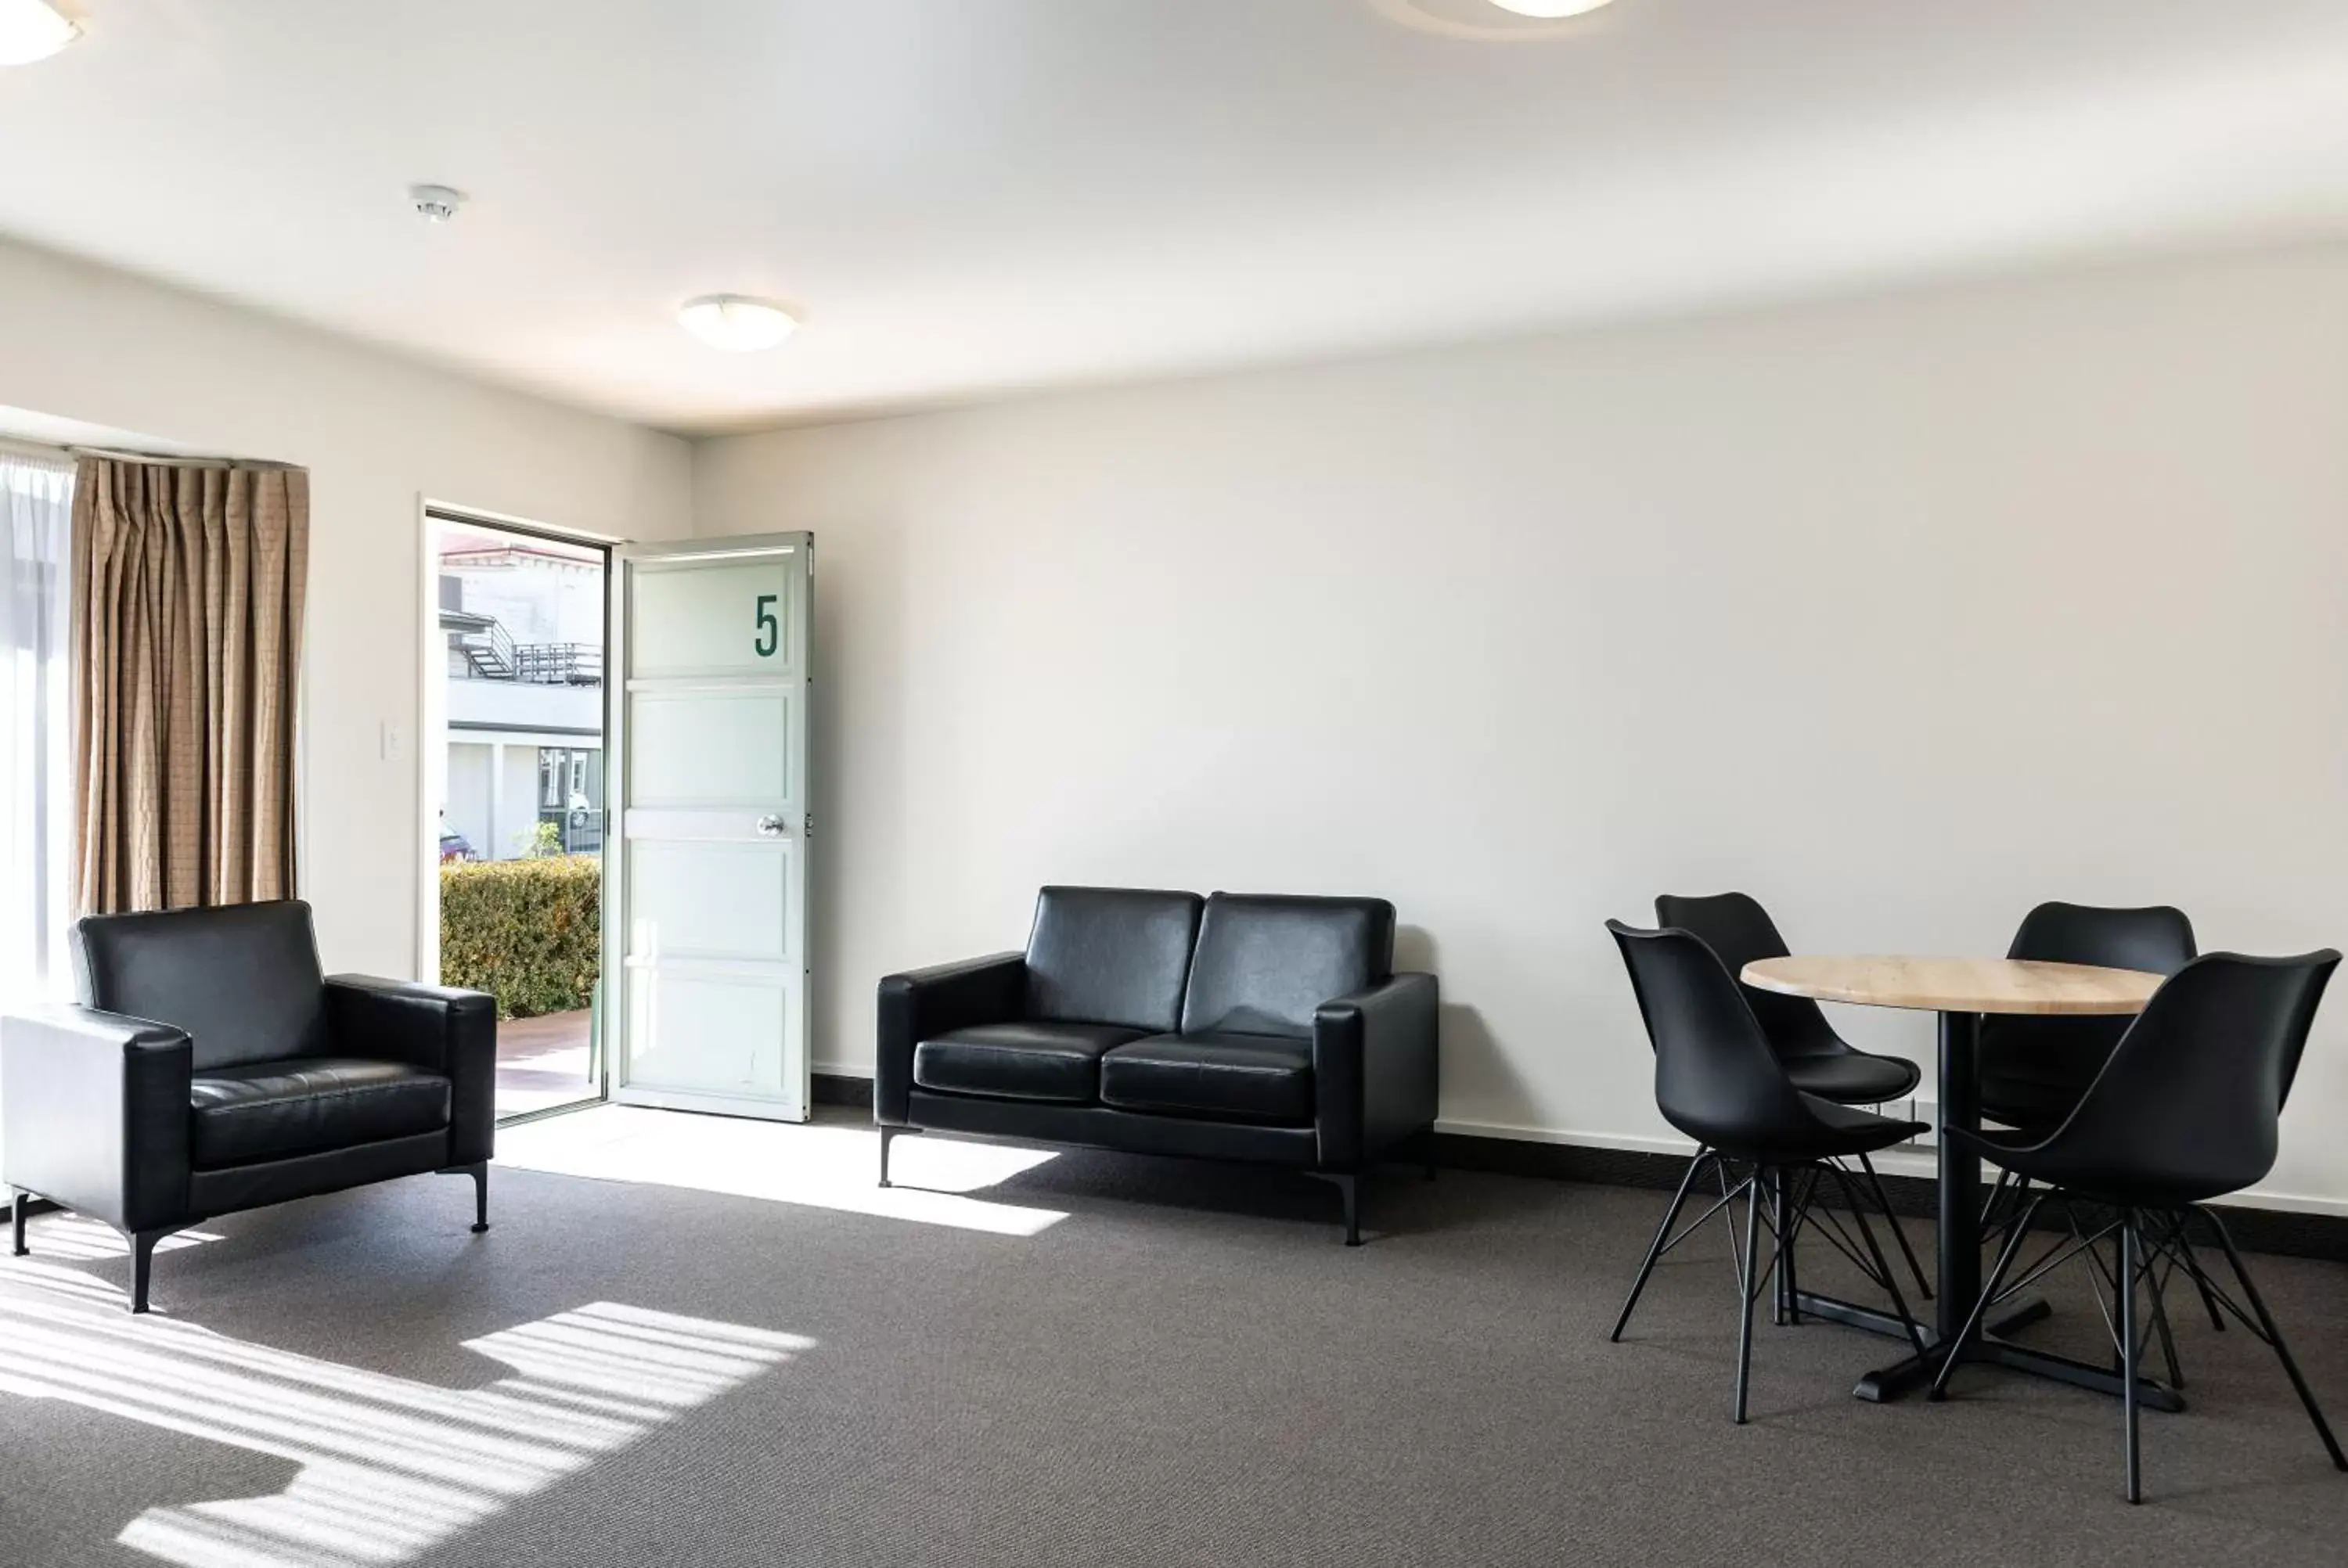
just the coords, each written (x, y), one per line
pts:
(1238, 1026)
(211, 1067)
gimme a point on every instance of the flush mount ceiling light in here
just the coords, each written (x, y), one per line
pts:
(32, 30)
(736, 323)
(1492, 21)
(1551, 10)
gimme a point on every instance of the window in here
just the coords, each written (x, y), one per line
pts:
(35, 725)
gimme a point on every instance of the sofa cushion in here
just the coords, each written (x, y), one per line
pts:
(274, 1110)
(1110, 955)
(1258, 1078)
(1019, 1060)
(242, 979)
(1266, 963)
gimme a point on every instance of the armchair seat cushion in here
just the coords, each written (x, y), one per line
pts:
(1030, 1061)
(1252, 1077)
(275, 1109)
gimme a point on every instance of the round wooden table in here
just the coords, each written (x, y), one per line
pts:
(1960, 990)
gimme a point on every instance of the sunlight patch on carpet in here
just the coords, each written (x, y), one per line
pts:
(816, 1166)
(389, 1468)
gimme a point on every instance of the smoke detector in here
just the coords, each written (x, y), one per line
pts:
(436, 203)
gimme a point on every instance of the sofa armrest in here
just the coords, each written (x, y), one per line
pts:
(926, 1002)
(437, 1028)
(94, 1113)
(1374, 1071)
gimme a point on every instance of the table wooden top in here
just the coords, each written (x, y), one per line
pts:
(1956, 985)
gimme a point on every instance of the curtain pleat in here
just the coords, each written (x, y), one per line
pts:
(188, 586)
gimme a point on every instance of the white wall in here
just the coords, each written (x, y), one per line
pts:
(377, 432)
(1903, 614)
(468, 810)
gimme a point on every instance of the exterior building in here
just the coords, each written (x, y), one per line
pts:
(523, 624)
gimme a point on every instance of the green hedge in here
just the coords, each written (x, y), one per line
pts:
(529, 932)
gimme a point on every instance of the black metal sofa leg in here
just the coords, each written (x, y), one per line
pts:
(1349, 1189)
(887, 1134)
(18, 1212)
(142, 1262)
(479, 1171)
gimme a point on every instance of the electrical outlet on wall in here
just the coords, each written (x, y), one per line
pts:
(1928, 1111)
(395, 742)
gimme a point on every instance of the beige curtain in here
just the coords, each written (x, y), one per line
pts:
(187, 626)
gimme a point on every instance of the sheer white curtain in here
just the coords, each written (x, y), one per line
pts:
(36, 727)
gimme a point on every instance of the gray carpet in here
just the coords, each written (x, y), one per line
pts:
(1188, 1369)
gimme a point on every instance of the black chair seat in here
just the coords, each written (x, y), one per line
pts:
(1835, 1131)
(276, 1109)
(1853, 1077)
(1026, 1061)
(1262, 1077)
(2028, 1102)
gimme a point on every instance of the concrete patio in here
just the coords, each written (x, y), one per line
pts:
(543, 1062)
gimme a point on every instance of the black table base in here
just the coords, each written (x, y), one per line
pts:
(1959, 1282)
(1914, 1374)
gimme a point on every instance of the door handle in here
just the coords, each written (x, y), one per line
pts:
(770, 826)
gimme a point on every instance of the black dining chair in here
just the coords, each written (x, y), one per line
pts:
(2033, 1070)
(2187, 1109)
(1718, 1081)
(1820, 1061)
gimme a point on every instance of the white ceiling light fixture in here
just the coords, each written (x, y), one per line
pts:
(1496, 21)
(737, 323)
(1551, 10)
(32, 30)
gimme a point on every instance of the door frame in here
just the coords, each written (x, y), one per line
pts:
(615, 797)
(432, 722)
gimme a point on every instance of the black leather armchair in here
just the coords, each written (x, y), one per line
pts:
(211, 1067)
(1239, 1027)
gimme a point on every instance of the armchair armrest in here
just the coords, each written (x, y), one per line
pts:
(94, 1113)
(437, 1028)
(1374, 1069)
(926, 1002)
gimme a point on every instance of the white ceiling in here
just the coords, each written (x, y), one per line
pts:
(971, 196)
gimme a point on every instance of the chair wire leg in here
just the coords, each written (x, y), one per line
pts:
(1782, 1204)
(1990, 1202)
(1883, 1265)
(1727, 1193)
(2129, 1349)
(1883, 1200)
(2157, 1284)
(1655, 1248)
(1989, 1293)
(2192, 1265)
(2274, 1337)
(1748, 1287)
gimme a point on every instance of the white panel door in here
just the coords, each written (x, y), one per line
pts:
(704, 904)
